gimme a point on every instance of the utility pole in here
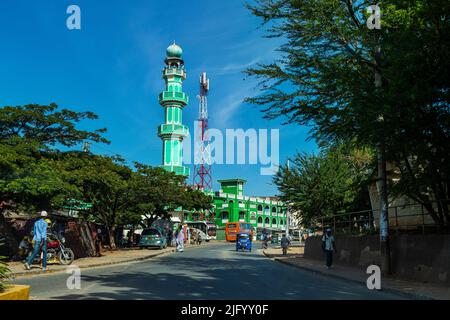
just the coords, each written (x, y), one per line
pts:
(382, 182)
(288, 221)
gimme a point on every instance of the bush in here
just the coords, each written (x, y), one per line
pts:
(3, 270)
(3, 273)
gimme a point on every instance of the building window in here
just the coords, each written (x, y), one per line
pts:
(259, 207)
(266, 210)
(274, 209)
(260, 220)
(266, 221)
(241, 215)
(225, 215)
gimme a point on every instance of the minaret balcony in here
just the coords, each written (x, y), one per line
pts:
(179, 170)
(173, 129)
(171, 96)
(174, 72)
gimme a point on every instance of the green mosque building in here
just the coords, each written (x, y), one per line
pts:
(230, 202)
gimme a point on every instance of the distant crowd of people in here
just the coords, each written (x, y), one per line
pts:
(328, 245)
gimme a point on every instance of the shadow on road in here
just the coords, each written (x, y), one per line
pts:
(241, 276)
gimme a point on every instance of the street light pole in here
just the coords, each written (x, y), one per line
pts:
(287, 208)
(287, 222)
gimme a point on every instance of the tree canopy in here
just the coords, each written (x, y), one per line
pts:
(332, 182)
(39, 171)
(326, 75)
(30, 138)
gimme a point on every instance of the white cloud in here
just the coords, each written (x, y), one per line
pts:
(229, 106)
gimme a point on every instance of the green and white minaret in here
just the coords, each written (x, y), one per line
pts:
(173, 100)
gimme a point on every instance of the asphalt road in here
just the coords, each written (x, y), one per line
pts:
(213, 272)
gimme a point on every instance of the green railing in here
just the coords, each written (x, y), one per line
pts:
(180, 170)
(173, 129)
(407, 218)
(167, 96)
(173, 71)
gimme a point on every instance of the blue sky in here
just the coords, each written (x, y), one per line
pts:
(113, 68)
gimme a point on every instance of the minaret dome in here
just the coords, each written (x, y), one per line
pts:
(174, 51)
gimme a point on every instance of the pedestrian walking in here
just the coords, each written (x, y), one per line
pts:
(328, 246)
(180, 240)
(98, 242)
(199, 238)
(130, 238)
(265, 243)
(169, 237)
(193, 236)
(285, 242)
(40, 241)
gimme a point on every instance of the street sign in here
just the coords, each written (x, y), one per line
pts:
(78, 205)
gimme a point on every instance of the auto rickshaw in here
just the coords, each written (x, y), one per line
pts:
(243, 242)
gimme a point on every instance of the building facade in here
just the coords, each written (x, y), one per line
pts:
(232, 205)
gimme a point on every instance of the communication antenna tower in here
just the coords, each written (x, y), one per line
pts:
(202, 165)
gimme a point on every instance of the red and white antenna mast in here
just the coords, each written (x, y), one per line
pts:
(202, 164)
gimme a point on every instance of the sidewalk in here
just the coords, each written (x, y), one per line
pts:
(107, 258)
(414, 290)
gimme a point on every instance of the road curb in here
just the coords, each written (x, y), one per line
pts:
(386, 289)
(92, 265)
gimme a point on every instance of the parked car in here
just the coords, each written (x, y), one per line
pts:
(152, 238)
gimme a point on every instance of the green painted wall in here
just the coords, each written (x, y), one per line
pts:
(232, 207)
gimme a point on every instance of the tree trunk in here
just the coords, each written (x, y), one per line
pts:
(88, 242)
(111, 235)
(384, 219)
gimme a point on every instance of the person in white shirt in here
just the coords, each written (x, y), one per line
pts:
(328, 246)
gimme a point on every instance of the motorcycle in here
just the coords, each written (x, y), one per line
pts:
(56, 251)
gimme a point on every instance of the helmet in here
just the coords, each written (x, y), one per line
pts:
(48, 221)
(44, 214)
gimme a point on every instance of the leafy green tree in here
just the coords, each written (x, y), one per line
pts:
(3, 274)
(47, 125)
(326, 184)
(159, 192)
(325, 78)
(104, 182)
(35, 174)
(29, 139)
(196, 200)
